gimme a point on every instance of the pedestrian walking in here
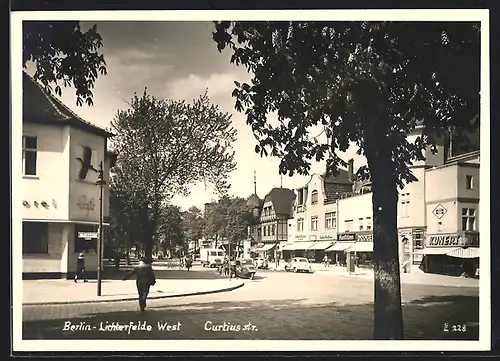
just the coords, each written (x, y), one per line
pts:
(80, 268)
(145, 278)
(325, 261)
(117, 261)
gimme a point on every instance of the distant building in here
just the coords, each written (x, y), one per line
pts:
(60, 207)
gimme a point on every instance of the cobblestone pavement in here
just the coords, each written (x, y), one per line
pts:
(279, 305)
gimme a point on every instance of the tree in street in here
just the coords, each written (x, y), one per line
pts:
(228, 219)
(64, 55)
(193, 225)
(370, 83)
(164, 146)
(171, 230)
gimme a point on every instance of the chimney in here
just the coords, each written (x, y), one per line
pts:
(351, 169)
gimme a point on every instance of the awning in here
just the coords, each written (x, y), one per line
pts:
(471, 252)
(288, 247)
(321, 245)
(340, 246)
(302, 246)
(266, 247)
(361, 247)
(435, 251)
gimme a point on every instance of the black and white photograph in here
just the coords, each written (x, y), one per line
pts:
(296, 180)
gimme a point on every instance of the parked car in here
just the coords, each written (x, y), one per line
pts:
(298, 264)
(244, 268)
(261, 262)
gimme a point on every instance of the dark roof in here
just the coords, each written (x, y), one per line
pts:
(282, 199)
(336, 191)
(254, 201)
(342, 177)
(41, 107)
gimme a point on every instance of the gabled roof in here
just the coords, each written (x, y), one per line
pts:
(41, 107)
(254, 201)
(282, 199)
(342, 177)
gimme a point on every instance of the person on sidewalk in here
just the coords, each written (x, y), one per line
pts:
(80, 268)
(145, 279)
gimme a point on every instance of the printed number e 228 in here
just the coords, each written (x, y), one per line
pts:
(455, 328)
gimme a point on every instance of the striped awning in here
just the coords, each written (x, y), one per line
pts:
(470, 252)
(340, 246)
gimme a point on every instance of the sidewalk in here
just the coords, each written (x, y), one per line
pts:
(40, 292)
(414, 277)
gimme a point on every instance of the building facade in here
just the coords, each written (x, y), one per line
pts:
(62, 155)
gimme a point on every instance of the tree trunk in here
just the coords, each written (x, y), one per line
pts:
(388, 317)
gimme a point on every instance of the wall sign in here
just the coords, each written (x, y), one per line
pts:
(439, 211)
(85, 204)
(346, 237)
(452, 240)
(327, 236)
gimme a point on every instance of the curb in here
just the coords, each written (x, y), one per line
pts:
(125, 299)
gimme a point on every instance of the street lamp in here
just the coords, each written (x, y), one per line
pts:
(100, 182)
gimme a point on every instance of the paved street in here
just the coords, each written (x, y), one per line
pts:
(276, 305)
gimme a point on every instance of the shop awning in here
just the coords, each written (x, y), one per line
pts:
(288, 247)
(320, 245)
(302, 246)
(471, 252)
(361, 247)
(340, 246)
(435, 251)
(266, 247)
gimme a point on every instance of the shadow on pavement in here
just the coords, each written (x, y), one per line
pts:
(291, 319)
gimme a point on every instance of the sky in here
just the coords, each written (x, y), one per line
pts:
(179, 60)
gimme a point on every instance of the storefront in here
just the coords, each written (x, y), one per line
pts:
(336, 252)
(318, 249)
(452, 254)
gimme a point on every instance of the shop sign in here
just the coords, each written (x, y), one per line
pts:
(452, 240)
(88, 235)
(346, 237)
(300, 236)
(326, 237)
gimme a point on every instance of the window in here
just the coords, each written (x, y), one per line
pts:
(314, 223)
(330, 220)
(348, 225)
(35, 237)
(418, 239)
(368, 223)
(360, 221)
(314, 197)
(469, 182)
(273, 230)
(300, 224)
(29, 155)
(468, 219)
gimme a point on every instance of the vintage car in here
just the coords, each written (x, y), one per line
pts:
(261, 262)
(244, 268)
(298, 264)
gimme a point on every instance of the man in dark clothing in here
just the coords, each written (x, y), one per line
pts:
(80, 268)
(145, 279)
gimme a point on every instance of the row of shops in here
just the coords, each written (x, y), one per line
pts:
(451, 254)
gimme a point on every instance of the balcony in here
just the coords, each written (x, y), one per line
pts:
(300, 208)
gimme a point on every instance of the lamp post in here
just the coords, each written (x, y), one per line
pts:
(100, 182)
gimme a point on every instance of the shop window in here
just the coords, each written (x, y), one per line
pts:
(330, 220)
(314, 197)
(82, 244)
(468, 219)
(30, 148)
(469, 182)
(314, 223)
(300, 224)
(35, 237)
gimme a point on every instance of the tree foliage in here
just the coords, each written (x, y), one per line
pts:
(64, 55)
(228, 219)
(370, 83)
(171, 228)
(193, 224)
(164, 146)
